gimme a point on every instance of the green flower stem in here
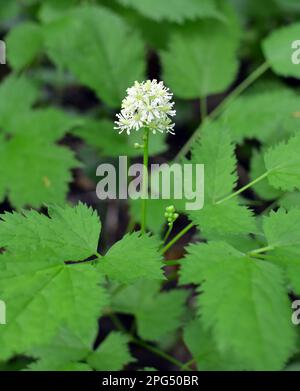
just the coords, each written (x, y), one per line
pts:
(168, 233)
(223, 105)
(258, 179)
(145, 179)
(177, 237)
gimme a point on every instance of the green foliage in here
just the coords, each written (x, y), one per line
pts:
(17, 94)
(175, 10)
(216, 151)
(195, 54)
(99, 135)
(204, 350)
(25, 43)
(278, 50)
(104, 59)
(122, 263)
(265, 116)
(283, 163)
(76, 305)
(157, 313)
(239, 293)
(46, 279)
(68, 352)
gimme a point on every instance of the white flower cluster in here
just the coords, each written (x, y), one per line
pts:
(147, 104)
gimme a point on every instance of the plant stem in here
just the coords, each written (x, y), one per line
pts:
(203, 108)
(145, 345)
(145, 179)
(229, 98)
(232, 195)
(260, 250)
(177, 237)
(258, 179)
(168, 233)
(158, 352)
(240, 88)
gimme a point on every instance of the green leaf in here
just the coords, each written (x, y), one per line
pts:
(204, 350)
(263, 115)
(190, 67)
(174, 10)
(17, 94)
(24, 43)
(70, 234)
(228, 218)
(283, 241)
(290, 200)
(33, 169)
(262, 188)
(42, 292)
(102, 136)
(201, 257)
(67, 352)
(246, 296)
(134, 256)
(283, 162)
(277, 48)
(216, 151)
(106, 60)
(112, 354)
(280, 228)
(43, 295)
(157, 313)
(64, 349)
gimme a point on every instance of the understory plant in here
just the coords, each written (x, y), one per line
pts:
(207, 289)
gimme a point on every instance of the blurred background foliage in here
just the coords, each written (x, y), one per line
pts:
(69, 63)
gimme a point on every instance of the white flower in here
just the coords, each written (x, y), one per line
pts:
(147, 104)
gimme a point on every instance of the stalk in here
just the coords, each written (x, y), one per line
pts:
(145, 180)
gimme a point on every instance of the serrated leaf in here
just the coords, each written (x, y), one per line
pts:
(157, 313)
(70, 234)
(245, 295)
(283, 162)
(106, 60)
(45, 296)
(134, 256)
(280, 228)
(290, 200)
(277, 48)
(24, 43)
(189, 65)
(201, 344)
(228, 218)
(262, 188)
(112, 355)
(216, 151)
(174, 10)
(42, 292)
